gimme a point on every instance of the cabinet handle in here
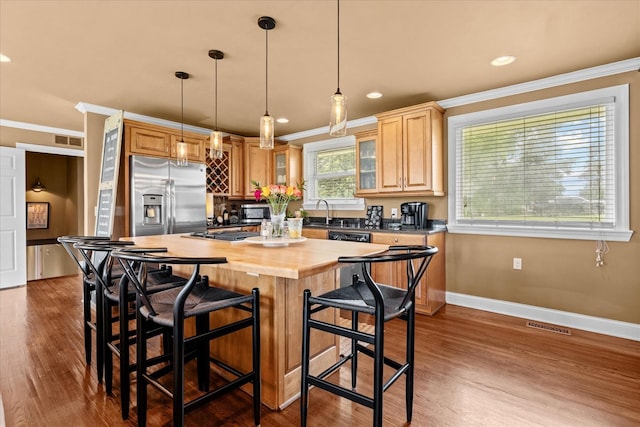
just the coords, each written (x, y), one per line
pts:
(395, 239)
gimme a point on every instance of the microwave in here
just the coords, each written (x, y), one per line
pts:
(253, 213)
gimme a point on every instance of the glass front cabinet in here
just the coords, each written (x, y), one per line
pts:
(366, 176)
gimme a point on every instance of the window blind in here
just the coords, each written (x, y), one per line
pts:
(551, 169)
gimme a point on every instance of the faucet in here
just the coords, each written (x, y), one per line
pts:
(328, 218)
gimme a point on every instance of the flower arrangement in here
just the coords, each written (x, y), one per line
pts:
(277, 196)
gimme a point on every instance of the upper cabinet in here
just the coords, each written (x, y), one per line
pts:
(158, 141)
(366, 176)
(224, 176)
(257, 165)
(409, 155)
(287, 165)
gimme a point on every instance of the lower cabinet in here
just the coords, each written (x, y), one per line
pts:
(314, 233)
(430, 294)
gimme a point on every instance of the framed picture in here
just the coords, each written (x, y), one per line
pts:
(37, 215)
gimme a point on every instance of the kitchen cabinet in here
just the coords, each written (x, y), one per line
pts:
(287, 165)
(314, 233)
(224, 176)
(366, 176)
(430, 294)
(158, 141)
(257, 165)
(410, 151)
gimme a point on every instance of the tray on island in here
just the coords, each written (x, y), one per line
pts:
(273, 243)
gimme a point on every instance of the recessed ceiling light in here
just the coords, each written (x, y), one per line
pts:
(503, 60)
(282, 120)
(374, 95)
(4, 58)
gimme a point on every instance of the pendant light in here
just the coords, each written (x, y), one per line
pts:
(215, 138)
(266, 122)
(181, 146)
(338, 118)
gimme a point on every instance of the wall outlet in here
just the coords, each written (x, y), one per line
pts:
(394, 213)
(517, 263)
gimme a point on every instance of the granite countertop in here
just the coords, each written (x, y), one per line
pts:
(356, 225)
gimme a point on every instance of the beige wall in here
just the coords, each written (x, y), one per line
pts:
(556, 273)
(62, 177)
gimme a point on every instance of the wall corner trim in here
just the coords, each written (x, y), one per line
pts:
(598, 325)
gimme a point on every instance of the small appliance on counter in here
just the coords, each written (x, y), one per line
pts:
(253, 213)
(414, 215)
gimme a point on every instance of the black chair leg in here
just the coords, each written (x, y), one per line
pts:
(306, 331)
(257, 394)
(354, 350)
(86, 306)
(202, 326)
(123, 331)
(107, 336)
(178, 371)
(411, 323)
(378, 368)
(141, 357)
(100, 325)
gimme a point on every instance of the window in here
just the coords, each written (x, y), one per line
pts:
(551, 168)
(330, 174)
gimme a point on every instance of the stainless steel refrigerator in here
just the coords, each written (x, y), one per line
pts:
(167, 198)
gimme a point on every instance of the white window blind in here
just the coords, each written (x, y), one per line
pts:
(550, 166)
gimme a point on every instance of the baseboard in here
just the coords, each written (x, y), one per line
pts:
(599, 325)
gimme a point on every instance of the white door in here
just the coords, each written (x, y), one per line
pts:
(13, 228)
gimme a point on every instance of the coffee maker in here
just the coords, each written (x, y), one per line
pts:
(414, 214)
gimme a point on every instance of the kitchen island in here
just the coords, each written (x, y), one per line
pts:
(281, 274)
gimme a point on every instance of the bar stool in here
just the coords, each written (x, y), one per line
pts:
(385, 303)
(169, 309)
(113, 290)
(88, 286)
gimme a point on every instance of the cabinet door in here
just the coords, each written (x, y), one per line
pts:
(237, 162)
(314, 233)
(366, 176)
(195, 148)
(394, 274)
(148, 141)
(287, 165)
(389, 164)
(257, 164)
(432, 296)
(417, 159)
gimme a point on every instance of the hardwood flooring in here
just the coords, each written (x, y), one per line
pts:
(473, 368)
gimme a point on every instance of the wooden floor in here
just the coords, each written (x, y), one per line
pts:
(472, 369)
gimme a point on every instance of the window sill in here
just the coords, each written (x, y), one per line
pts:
(339, 205)
(550, 233)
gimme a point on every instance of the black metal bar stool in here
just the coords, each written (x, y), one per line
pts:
(169, 309)
(385, 303)
(113, 290)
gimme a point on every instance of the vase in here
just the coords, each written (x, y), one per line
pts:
(277, 214)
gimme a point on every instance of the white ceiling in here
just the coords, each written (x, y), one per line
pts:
(123, 55)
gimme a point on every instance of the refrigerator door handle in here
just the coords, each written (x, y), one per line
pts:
(167, 208)
(172, 201)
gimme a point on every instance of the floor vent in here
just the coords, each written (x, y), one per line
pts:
(551, 328)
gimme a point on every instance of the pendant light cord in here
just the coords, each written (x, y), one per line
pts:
(338, 91)
(215, 104)
(182, 110)
(266, 73)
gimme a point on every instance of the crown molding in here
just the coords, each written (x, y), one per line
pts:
(85, 107)
(632, 64)
(40, 128)
(325, 129)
